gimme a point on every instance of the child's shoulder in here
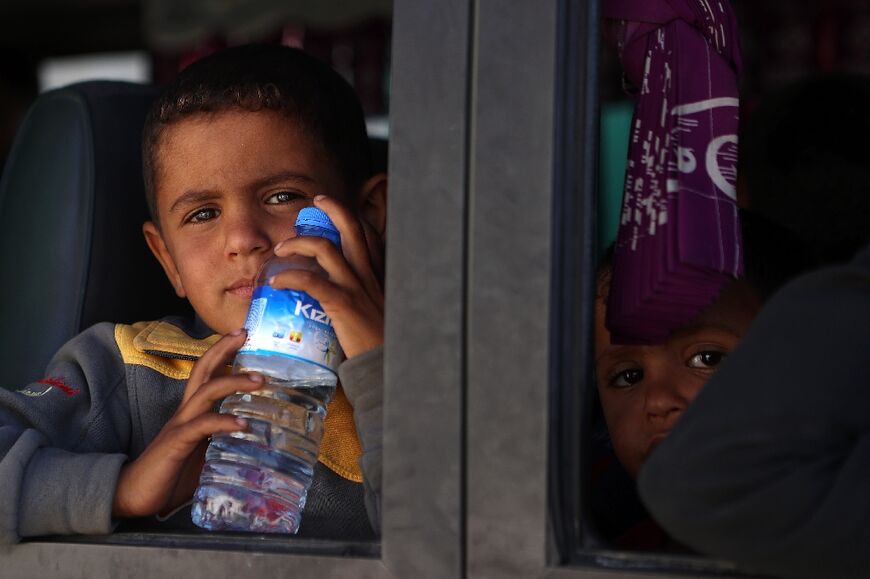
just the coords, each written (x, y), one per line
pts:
(169, 346)
(173, 336)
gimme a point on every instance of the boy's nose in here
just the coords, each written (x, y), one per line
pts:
(665, 397)
(245, 235)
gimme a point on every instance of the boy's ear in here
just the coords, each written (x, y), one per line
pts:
(372, 202)
(158, 247)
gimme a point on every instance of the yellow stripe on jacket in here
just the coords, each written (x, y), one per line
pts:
(152, 344)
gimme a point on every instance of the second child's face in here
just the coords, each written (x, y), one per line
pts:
(645, 389)
(228, 188)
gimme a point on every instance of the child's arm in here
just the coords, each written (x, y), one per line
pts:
(166, 473)
(353, 298)
(362, 378)
(63, 440)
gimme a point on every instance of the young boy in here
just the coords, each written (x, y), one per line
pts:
(232, 150)
(644, 389)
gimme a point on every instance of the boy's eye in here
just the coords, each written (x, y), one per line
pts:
(627, 378)
(201, 215)
(708, 359)
(282, 197)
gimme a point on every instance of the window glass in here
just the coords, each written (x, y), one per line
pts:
(781, 48)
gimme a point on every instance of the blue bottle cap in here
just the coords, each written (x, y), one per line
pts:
(314, 217)
(315, 222)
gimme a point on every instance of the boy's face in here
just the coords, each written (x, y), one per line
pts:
(228, 187)
(645, 389)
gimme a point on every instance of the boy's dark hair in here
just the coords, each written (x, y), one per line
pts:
(772, 256)
(804, 161)
(265, 77)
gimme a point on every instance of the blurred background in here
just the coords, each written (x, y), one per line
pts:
(45, 44)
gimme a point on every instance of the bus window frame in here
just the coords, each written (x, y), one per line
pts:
(421, 507)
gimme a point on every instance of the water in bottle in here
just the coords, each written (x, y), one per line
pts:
(258, 480)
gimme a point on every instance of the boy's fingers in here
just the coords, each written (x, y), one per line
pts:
(323, 290)
(209, 394)
(341, 276)
(353, 239)
(327, 255)
(189, 435)
(218, 356)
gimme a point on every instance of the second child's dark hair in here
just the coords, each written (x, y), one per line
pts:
(265, 77)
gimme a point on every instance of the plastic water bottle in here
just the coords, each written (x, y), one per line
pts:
(258, 480)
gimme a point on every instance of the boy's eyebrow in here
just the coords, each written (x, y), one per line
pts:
(191, 198)
(612, 351)
(615, 350)
(282, 176)
(195, 197)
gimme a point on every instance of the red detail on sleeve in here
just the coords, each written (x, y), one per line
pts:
(60, 385)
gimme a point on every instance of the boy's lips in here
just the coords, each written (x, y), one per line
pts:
(242, 288)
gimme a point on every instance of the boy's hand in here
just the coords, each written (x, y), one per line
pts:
(166, 474)
(352, 296)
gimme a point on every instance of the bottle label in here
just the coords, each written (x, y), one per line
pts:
(291, 323)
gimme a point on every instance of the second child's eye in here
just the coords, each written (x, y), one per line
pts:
(282, 197)
(202, 215)
(708, 359)
(627, 378)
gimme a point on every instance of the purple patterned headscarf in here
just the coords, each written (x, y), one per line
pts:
(679, 233)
